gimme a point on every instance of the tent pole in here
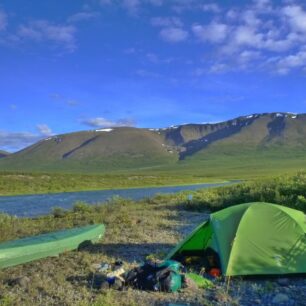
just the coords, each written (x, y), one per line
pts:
(228, 283)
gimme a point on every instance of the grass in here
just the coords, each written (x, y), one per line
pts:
(135, 230)
(12, 183)
(250, 166)
(202, 169)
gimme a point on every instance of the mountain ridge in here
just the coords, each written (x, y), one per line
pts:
(132, 148)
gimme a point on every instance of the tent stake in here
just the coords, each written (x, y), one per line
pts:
(228, 284)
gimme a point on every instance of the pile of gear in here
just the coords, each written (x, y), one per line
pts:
(205, 262)
(165, 276)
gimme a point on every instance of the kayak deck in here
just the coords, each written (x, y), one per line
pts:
(51, 244)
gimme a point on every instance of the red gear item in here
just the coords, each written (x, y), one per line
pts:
(215, 272)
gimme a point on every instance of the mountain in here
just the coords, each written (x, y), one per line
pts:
(3, 153)
(267, 135)
(98, 150)
(256, 133)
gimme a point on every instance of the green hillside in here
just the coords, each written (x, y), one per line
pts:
(255, 145)
(93, 151)
(3, 153)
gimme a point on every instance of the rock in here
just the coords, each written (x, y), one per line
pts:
(286, 291)
(22, 281)
(280, 298)
(283, 282)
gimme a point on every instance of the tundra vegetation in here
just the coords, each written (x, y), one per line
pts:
(245, 147)
(12, 183)
(135, 230)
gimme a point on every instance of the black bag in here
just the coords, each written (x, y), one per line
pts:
(153, 278)
(169, 280)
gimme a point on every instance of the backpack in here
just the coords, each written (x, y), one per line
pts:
(169, 280)
(154, 278)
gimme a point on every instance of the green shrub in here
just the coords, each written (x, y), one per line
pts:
(285, 190)
(81, 207)
(58, 212)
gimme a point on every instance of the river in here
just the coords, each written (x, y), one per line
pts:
(42, 204)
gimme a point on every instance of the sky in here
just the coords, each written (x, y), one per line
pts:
(78, 65)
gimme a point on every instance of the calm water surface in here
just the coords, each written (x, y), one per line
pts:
(36, 205)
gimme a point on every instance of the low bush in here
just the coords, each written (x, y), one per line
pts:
(289, 191)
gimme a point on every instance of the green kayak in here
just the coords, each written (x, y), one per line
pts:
(20, 251)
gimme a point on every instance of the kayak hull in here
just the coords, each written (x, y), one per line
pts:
(24, 250)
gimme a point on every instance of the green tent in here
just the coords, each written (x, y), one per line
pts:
(252, 239)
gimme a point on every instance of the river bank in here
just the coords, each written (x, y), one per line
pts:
(26, 183)
(134, 232)
(42, 204)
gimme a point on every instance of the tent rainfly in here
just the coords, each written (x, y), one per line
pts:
(252, 239)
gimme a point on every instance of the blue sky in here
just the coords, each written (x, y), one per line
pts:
(74, 65)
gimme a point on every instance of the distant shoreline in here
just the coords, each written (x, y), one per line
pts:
(43, 204)
(120, 188)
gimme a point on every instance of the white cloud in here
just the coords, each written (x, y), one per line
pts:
(42, 30)
(56, 96)
(211, 7)
(179, 6)
(263, 6)
(132, 6)
(152, 57)
(292, 61)
(232, 14)
(173, 35)
(63, 99)
(44, 129)
(166, 22)
(247, 35)
(219, 68)
(297, 17)
(82, 16)
(250, 18)
(147, 74)
(3, 21)
(14, 141)
(130, 51)
(257, 34)
(260, 35)
(155, 59)
(101, 122)
(247, 56)
(72, 102)
(156, 2)
(172, 30)
(199, 72)
(213, 32)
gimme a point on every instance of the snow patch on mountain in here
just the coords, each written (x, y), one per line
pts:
(104, 130)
